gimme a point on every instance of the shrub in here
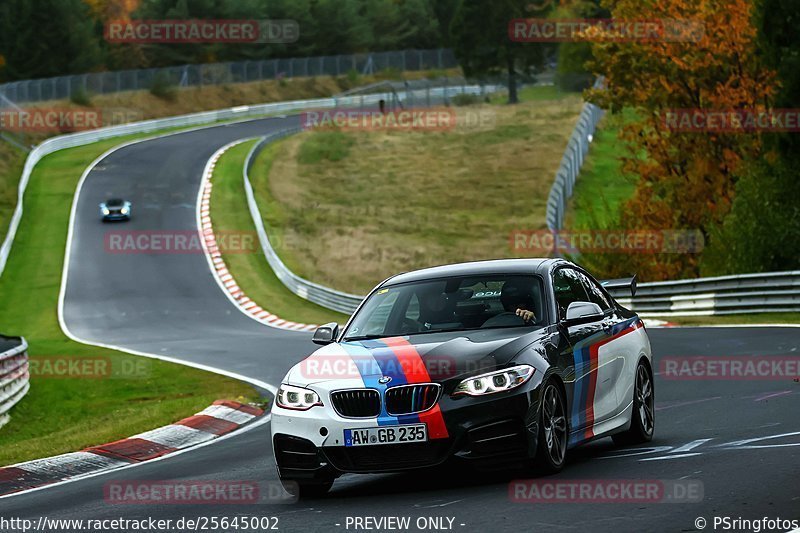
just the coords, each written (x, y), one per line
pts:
(163, 87)
(81, 96)
(465, 99)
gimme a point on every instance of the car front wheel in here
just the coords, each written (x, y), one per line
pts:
(552, 446)
(643, 417)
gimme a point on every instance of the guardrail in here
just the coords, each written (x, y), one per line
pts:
(571, 163)
(14, 375)
(325, 296)
(775, 292)
(72, 140)
(747, 293)
(722, 295)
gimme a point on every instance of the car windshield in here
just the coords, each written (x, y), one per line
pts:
(450, 304)
(115, 202)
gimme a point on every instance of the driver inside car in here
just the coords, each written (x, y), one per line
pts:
(518, 300)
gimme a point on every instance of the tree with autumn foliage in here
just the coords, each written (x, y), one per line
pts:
(762, 231)
(686, 181)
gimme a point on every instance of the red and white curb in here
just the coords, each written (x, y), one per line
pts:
(656, 323)
(218, 267)
(216, 420)
(228, 283)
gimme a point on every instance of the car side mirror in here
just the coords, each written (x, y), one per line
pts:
(326, 334)
(582, 313)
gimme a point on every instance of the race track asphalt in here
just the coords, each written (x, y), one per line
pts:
(170, 304)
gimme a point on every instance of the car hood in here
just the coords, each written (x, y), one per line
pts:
(435, 357)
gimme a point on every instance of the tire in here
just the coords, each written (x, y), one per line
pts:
(643, 417)
(307, 490)
(551, 449)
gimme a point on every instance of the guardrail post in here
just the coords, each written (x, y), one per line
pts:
(14, 374)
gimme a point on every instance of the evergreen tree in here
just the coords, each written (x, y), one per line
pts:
(481, 41)
(43, 38)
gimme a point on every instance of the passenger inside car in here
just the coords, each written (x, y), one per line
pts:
(519, 302)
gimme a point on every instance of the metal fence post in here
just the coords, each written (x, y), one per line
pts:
(215, 73)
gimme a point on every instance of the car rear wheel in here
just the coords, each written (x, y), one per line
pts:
(552, 446)
(643, 417)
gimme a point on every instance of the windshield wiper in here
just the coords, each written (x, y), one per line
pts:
(366, 337)
(445, 330)
(386, 336)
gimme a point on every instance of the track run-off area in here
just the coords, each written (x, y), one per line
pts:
(739, 438)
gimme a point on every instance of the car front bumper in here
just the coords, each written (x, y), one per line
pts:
(488, 431)
(116, 216)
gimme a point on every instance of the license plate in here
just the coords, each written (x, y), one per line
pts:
(386, 435)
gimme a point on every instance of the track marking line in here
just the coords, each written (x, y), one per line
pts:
(772, 395)
(667, 457)
(65, 329)
(689, 402)
(691, 446)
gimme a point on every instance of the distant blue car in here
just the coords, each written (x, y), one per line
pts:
(115, 209)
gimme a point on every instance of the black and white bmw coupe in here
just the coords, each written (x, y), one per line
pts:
(496, 362)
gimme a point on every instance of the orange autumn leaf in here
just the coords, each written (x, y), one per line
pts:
(686, 180)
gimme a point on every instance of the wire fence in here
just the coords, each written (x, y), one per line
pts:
(63, 87)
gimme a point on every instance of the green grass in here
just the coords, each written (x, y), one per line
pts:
(754, 318)
(63, 415)
(12, 160)
(601, 187)
(253, 274)
(327, 146)
(355, 207)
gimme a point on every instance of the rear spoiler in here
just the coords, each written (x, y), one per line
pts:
(621, 283)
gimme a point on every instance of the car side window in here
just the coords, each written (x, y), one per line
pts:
(568, 288)
(596, 294)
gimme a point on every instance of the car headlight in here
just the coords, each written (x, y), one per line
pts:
(498, 381)
(124, 210)
(106, 211)
(297, 398)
